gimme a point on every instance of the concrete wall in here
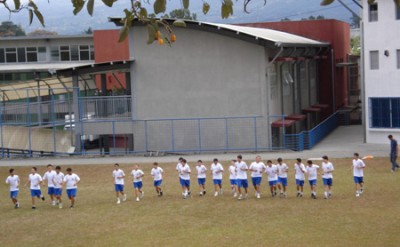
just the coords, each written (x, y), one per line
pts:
(384, 82)
(201, 75)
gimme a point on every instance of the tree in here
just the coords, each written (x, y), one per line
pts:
(135, 11)
(182, 14)
(88, 31)
(42, 32)
(355, 45)
(8, 28)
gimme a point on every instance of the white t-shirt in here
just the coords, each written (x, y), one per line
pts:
(232, 172)
(217, 170)
(282, 170)
(179, 169)
(201, 171)
(49, 175)
(185, 172)
(157, 172)
(358, 171)
(327, 169)
(272, 172)
(137, 175)
(71, 181)
(13, 181)
(312, 171)
(299, 171)
(58, 180)
(35, 180)
(257, 169)
(240, 174)
(117, 174)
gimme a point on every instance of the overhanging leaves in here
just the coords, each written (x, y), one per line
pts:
(151, 31)
(326, 2)
(89, 7)
(179, 23)
(226, 9)
(160, 6)
(185, 4)
(206, 8)
(17, 4)
(78, 5)
(109, 3)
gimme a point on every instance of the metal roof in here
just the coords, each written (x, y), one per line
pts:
(277, 38)
(39, 67)
(47, 37)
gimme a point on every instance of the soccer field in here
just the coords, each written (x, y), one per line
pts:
(370, 220)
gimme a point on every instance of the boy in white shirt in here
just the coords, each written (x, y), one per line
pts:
(137, 176)
(49, 175)
(241, 175)
(13, 181)
(272, 171)
(71, 181)
(157, 174)
(257, 168)
(358, 173)
(179, 167)
(119, 182)
(185, 179)
(35, 181)
(201, 177)
(299, 169)
(312, 172)
(282, 177)
(327, 176)
(232, 178)
(58, 182)
(217, 171)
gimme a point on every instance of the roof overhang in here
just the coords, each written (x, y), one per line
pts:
(98, 68)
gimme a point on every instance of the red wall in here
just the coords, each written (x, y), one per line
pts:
(337, 33)
(107, 49)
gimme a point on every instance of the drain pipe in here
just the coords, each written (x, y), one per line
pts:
(333, 81)
(277, 54)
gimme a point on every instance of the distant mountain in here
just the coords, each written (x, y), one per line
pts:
(59, 18)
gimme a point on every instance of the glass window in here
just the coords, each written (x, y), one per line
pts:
(398, 58)
(84, 52)
(31, 54)
(373, 12)
(11, 55)
(64, 53)
(397, 12)
(91, 52)
(385, 112)
(2, 55)
(55, 53)
(21, 55)
(42, 54)
(374, 60)
(74, 53)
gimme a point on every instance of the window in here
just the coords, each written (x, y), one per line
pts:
(74, 53)
(373, 12)
(91, 52)
(42, 54)
(11, 55)
(2, 54)
(84, 52)
(398, 58)
(55, 53)
(31, 54)
(64, 53)
(385, 112)
(397, 12)
(21, 54)
(374, 60)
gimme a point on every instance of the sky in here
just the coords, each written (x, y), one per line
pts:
(59, 17)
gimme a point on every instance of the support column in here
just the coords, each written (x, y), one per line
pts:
(76, 113)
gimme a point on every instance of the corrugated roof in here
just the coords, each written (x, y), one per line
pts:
(39, 67)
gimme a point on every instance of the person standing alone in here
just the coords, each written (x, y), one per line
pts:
(394, 150)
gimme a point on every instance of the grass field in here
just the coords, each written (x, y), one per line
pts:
(344, 220)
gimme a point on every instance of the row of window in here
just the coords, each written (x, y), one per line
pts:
(385, 112)
(373, 12)
(374, 59)
(39, 54)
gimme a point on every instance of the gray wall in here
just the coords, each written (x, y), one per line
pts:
(201, 75)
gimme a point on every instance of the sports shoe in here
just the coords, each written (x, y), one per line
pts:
(246, 196)
(124, 199)
(118, 201)
(201, 194)
(161, 193)
(216, 193)
(71, 207)
(240, 197)
(329, 195)
(298, 194)
(275, 193)
(301, 194)
(60, 205)
(361, 190)
(189, 193)
(357, 194)
(33, 207)
(16, 205)
(42, 197)
(314, 196)
(137, 199)
(258, 196)
(204, 192)
(235, 195)
(221, 192)
(142, 194)
(53, 203)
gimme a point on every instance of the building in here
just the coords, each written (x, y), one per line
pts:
(381, 53)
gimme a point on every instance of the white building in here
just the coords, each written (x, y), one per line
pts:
(381, 70)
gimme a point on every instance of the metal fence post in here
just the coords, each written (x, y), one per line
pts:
(226, 134)
(53, 122)
(1, 130)
(29, 123)
(283, 132)
(199, 133)
(114, 139)
(146, 137)
(172, 136)
(255, 133)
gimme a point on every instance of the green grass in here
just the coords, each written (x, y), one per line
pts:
(371, 220)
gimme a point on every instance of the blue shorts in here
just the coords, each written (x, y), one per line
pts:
(312, 182)
(137, 185)
(327, 181)
(50, 191)
(185, 183)
(282, 181)
(358, 180)
(217, 181)
(14, 194)
(299, 182)
(36, 193)
(273, 182)
(242, 183)
(157, 183)
(71, 193)
(119, 187)
(57, 191)
(201, 181)
(256, 180)
(233, 181)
